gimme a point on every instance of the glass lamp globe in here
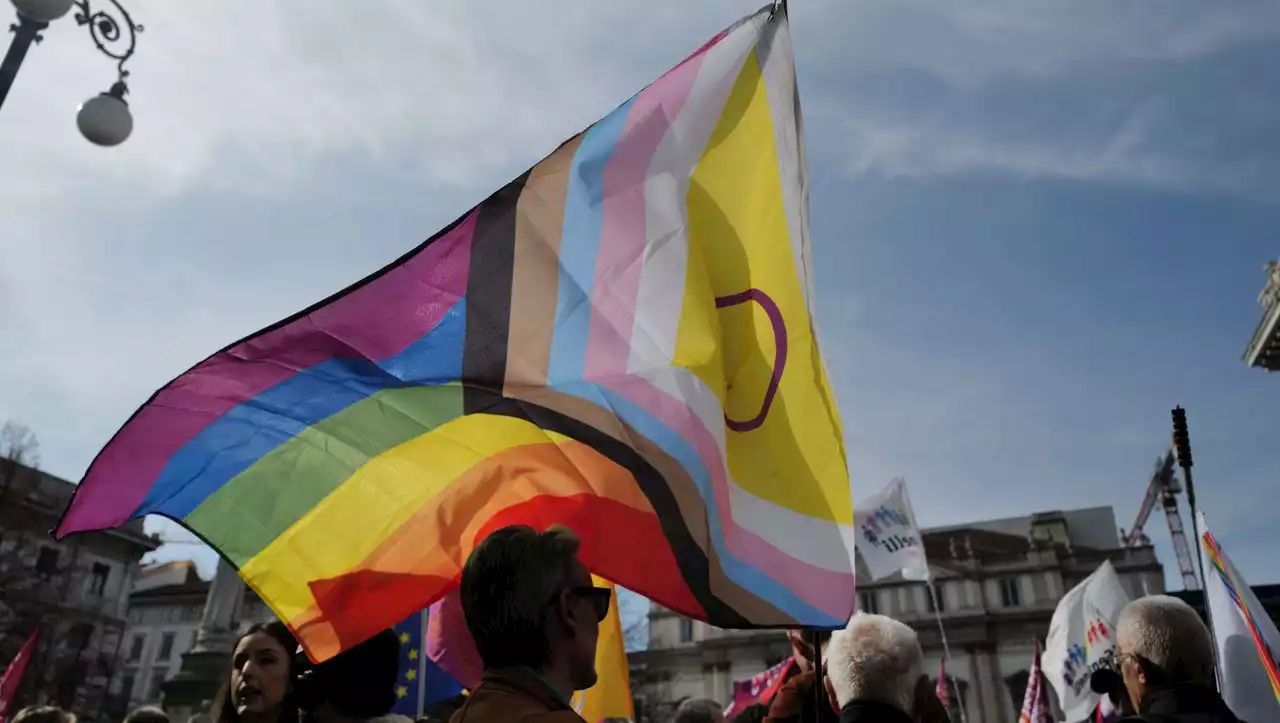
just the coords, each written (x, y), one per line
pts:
(42, 11)
(105, 120)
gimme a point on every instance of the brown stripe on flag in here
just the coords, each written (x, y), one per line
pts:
(688, 501)
(539, 224)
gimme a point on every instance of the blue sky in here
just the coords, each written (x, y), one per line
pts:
(1038, 227)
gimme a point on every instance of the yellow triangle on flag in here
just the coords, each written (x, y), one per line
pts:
(610, 697)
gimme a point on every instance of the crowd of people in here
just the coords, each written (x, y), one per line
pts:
(534, 614)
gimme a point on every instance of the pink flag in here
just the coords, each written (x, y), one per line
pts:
(449, 643)
(13, 676)
(759, 688)
(1035, 702)
(943, 692)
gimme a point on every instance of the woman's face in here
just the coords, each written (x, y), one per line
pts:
(259, 674)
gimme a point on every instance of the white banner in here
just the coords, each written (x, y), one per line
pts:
(1082, 639)
(1247, 640)
(887, 536)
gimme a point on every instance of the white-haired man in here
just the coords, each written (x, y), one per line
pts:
(872, 669)
(1165, 654)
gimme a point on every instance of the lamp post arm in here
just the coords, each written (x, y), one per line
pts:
(25, 32)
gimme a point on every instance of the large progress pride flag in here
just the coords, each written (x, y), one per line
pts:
(620, 340)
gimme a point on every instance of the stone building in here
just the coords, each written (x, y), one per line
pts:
(998, 582)
(1263, 350)
(75, 593)
(165, 612)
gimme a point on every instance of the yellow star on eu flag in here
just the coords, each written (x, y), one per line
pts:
(410, 674)
(401, 691)
(404, 638)
(413, 653)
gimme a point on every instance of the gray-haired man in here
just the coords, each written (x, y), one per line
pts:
(1165, 655)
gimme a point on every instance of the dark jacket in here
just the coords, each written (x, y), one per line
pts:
(513, 695)
(870, 711)
(1182, 704)
(794, 702)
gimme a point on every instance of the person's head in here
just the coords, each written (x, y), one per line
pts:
(260, 682)
(358, 683)
(928, 708)
(802, 646)
(147, 714)
(43, 714)
(529, 601)
(1161, 642)
(754, 713)
(699, 710)
(874, 658)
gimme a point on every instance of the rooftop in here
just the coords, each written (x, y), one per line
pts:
(1263, 350)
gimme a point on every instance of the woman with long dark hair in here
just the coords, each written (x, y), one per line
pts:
(259, 687)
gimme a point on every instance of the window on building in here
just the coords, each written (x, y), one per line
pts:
(686, 630)
(938, 595)
(80, 635)
(47, 561)
(126, 686)
(1010, 592)
(135, 647)
(867, 603)
(98, 579)
(156, 685)
(166, 647)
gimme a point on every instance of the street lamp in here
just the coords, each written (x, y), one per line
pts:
(104, 119)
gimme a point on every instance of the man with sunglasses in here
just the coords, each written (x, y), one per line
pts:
(534, 615)
(1165, 655)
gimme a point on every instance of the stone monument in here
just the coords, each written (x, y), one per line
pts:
(204, 668)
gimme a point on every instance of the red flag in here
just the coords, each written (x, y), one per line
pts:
(943, 689)
(13, 676)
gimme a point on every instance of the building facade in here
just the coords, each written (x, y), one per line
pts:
(164, 620)
(1263, 350)
(74, 594)
(998, 583)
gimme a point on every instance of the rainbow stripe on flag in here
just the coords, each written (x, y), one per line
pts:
(1266, 656)
(620, 340)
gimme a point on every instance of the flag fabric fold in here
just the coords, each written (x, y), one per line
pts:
(1082, 640)
(760, 688)
(419, 682)
(11, 679)
(1035, 701)
(943, 689)
(620, 340)
(1246, 639)
(889, 540)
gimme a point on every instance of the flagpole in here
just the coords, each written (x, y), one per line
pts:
(946, 649)
(819, 684)
(422, 661)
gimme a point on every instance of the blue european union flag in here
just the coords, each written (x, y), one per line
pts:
(420, 683)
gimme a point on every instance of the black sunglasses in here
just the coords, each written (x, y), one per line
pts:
(600, 598)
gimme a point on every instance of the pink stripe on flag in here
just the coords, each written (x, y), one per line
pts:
(374, 322)
(449, 642)
(802, 578)
(622, 235)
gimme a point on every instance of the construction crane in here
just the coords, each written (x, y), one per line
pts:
(1165, 487)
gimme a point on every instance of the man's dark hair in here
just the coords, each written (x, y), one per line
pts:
(147, 714)
(509, 580)
(43, 714)
(699, 710)
(753, 713)
(361, 682)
